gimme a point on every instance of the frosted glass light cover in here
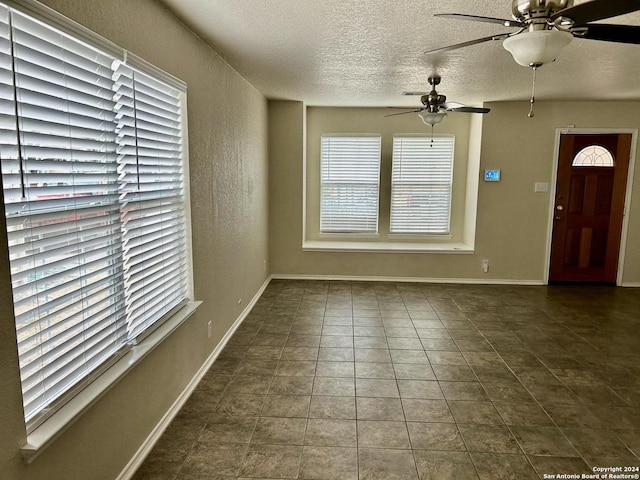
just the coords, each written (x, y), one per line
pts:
(536, 47)
(432, 118)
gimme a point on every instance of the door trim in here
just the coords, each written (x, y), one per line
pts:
(627, 198)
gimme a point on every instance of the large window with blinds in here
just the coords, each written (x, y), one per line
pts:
(421, 181)
(350, 183)
(93, 182)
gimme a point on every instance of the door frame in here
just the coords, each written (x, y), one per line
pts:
(627, 198)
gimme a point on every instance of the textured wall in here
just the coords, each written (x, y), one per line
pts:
(286, 151)
(512, 221)
(229, 200)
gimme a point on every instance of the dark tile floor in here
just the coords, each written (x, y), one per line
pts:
(357, 380)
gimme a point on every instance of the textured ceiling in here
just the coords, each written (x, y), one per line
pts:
(367, 52)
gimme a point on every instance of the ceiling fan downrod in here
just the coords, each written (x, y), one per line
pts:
(535, 67)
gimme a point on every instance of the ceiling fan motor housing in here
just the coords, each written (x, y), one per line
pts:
(525, 9)
(433, 100)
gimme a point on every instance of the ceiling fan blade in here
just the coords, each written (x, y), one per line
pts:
(608, 33)
(467, 44)
(402, 113)
(469, 110)
(451, 105)
(597, 10)
(501, 21)
(415, 93)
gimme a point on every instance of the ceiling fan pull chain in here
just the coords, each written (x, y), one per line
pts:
(431, 145)
(531, 114)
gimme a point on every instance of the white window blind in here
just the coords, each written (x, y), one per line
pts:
(92, 187)
(421, 184)
(350, 182)
(151, 195)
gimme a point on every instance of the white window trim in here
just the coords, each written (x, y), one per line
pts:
(310, 238)
(353, 235)
(363, 242)
(51, 428)
(385, 247)
(65, 416)
(420, 237)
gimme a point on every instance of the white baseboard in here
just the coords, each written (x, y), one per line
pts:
(469, 281)
(630, 284)
(146, 447)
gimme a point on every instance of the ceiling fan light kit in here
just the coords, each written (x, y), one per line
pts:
(536, 47)
(431, 118)
(548, 26)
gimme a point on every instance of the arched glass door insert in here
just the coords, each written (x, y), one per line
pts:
(593, 156)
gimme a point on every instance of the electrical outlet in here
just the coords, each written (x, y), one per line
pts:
(485, 265)
(209, 328)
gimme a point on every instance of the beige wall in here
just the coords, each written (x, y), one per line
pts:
(512, 220)
(286, 151)
(229, 198)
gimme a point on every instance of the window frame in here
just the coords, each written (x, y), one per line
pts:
(375, 141)
(319, 120)
(82, 395)
(421, 142)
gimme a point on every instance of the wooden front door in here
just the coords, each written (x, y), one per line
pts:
(589, 207)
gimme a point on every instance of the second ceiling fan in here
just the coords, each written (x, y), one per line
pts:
(435, 106)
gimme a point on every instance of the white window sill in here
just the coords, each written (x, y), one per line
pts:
(421, 237)
(335, 235)
(53, 427)
(386, 247)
